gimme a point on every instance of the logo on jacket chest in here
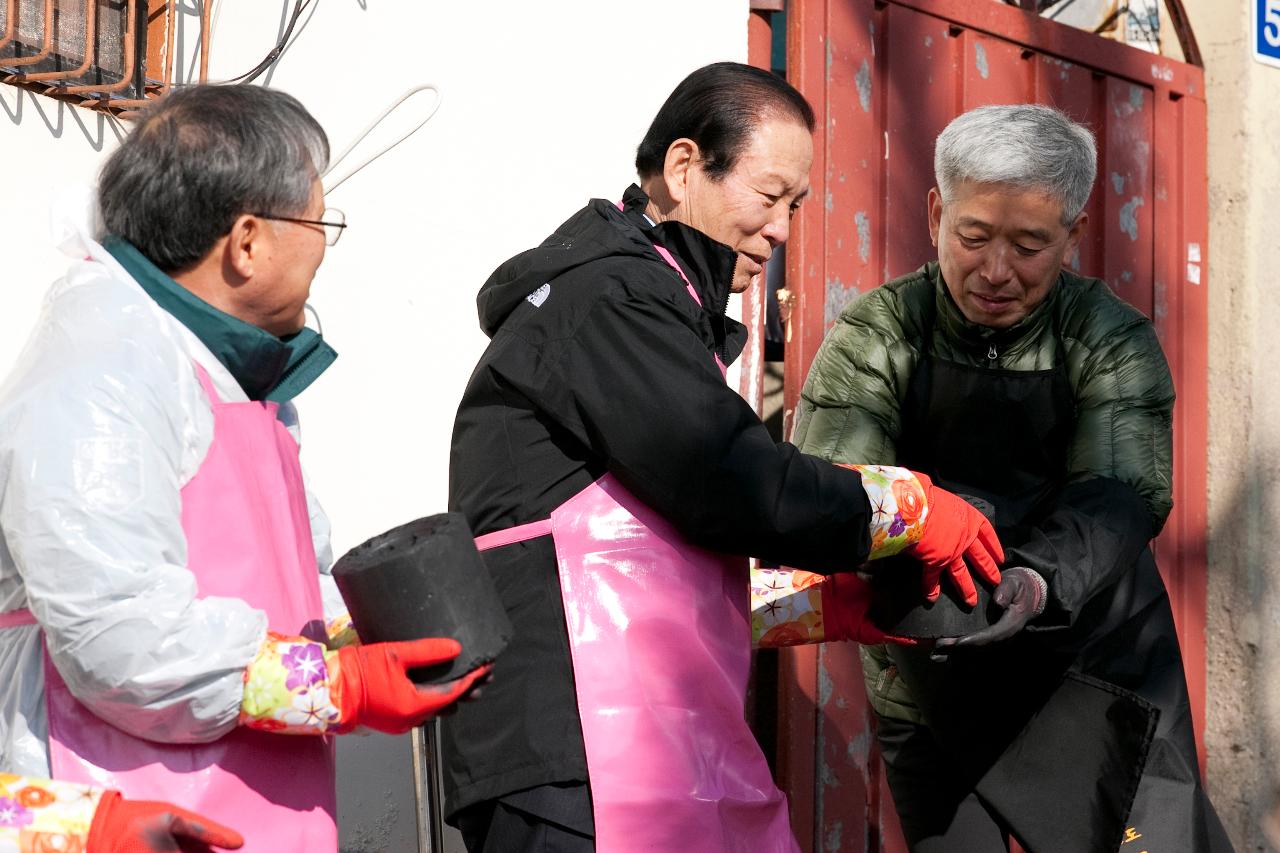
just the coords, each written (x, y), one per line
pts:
(539, 296)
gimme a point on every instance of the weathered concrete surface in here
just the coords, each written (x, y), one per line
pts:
(1243, 712)
(377, 811)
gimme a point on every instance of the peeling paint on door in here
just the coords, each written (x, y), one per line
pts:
(863, 223)
(863, 83)
(1129, 216)
(838, 296)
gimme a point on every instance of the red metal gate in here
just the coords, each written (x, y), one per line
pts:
(885, 76)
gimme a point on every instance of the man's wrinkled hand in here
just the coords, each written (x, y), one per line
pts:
(1022, 594)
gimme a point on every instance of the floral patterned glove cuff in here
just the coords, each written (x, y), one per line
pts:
(288, 688)
(898, 508)
(41, 814)
(341, 632)
(786, 608)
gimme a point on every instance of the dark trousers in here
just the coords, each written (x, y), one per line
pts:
(546, 819)
(935, 801)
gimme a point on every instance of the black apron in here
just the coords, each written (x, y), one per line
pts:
(999, 439)
(1061, 734)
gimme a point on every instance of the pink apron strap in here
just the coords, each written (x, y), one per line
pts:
(512, 535)
(688, 285)
(206, 383)
(14, 618)
(671, 262)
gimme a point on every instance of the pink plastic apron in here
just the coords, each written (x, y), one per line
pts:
(660, 637)
(248, 537)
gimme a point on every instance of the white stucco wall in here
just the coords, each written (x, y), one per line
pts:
(543, 106)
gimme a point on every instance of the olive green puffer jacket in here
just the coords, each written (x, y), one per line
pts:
(851, 402)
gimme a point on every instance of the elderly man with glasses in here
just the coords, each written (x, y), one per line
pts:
(168, 629)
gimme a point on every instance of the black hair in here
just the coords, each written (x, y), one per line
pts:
(719, 106)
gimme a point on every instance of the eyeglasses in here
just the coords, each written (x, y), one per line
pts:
(334, 222)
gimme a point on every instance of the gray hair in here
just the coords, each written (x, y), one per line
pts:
(1028, 146)
(202, 156)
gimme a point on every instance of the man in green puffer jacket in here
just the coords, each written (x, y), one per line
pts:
(1057, 710)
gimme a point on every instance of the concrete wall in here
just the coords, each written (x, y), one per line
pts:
(543, 106)
(1243, 717)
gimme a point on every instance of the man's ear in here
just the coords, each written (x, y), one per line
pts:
(245, 245)
(1076, 233)
(682, 155)
(935, 215)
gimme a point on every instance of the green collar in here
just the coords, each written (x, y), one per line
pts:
(267, 367)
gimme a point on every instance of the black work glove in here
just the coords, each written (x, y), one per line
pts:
(1022, 593)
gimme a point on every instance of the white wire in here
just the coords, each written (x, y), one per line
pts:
(364, 133)
(307, 307)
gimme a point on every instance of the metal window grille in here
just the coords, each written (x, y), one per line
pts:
(113, 55)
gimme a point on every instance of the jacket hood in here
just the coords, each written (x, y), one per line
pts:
(602, 230)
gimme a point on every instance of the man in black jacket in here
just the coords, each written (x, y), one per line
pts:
(603, 365)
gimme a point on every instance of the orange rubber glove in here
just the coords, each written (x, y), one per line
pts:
(954, 530)
(144, 826)
(373, 687)
(846, 601)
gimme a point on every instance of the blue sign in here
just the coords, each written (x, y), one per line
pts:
(1266, 31)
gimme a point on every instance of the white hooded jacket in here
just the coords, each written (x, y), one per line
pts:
(102, 422)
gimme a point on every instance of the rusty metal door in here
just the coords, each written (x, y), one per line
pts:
(885, 76)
